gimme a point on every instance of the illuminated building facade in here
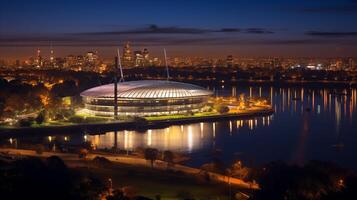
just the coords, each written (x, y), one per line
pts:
(127, 56)
(38, 61)
(139, 58)
(146, 98)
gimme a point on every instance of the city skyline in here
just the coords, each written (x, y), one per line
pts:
(200, 28)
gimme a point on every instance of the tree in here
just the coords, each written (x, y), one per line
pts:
(2, 106)
(56, 163)
(39, 148)
(238, 170)
(221, 108)
(169, 158)
(35, 178)
(151, 154)
(101, 161)
(26, 122)
(313, 181)
(117, 195)
(67, 88)
(129, 192)
(216, 166)
(83, 153)
(15, 103)
(41, 117)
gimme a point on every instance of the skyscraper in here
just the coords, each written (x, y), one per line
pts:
(146, 57)
(38, 60)
(351, 64)
(52, 57)
(138, 58)
(127, 56)
(229, 61)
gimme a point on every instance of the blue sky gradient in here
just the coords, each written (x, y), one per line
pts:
(295, 28)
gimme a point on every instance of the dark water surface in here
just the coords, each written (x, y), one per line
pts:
(308, 124)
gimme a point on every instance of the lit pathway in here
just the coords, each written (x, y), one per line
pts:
(134, 161)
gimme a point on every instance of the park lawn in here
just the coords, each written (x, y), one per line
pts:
(151, 182)
(84, 115)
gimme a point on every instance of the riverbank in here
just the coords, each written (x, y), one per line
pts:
(135, 161)
(142, 125)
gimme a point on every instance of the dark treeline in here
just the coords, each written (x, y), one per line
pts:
(33, 178)
(50, 178)
(315, 180)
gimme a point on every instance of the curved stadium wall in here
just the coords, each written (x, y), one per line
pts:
(146, 98)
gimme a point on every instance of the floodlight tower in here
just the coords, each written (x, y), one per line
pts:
(167, 67)
(116, 89)
(117, 65)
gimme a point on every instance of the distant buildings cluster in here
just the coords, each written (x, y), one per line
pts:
(141, 58)
(90, 61)
(138, 58)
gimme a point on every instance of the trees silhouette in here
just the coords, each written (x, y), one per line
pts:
(151, 154)
(169, 158)
(314, 181)
(82, 153)
(33, 178)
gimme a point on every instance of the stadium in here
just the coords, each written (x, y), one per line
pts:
(145, 98)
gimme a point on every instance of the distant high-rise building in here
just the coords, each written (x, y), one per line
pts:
(156, 61)
(138, 58)
(127, 55)
(91, 57)
(229, 61)
(52, 57)
(351, 64)
(339, 64)
(91, 61)
(276, 62)
(80, 60)
(38, 60)
(146, 55)
(17, 63)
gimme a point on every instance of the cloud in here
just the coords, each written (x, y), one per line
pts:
(151, 29)
(177, 41)
(229, 30)
(330, 34)
(155, 29)
(152, 35)
(258, 31)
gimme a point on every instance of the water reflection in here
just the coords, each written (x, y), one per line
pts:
(308, 123)
(184, 138)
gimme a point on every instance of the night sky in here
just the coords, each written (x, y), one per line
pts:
(297, 28)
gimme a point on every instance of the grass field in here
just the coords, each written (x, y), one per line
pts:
(169, 185)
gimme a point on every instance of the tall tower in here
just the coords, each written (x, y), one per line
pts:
(146, 57)
(38, 60)
(127, 55)
(229, 61)
(351, 63)
(52, 57)
(138, 58)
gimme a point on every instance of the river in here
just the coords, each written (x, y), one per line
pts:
(308, 124)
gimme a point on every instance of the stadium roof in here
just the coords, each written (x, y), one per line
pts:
(148, 89)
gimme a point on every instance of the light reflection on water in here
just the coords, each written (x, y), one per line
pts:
(183, 138)
(307, 124)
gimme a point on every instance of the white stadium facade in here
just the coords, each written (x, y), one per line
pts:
(146, 98)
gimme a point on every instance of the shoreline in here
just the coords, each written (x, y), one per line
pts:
(133, 125)
(136, 161)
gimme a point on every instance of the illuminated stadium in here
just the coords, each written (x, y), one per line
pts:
(145, 98)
